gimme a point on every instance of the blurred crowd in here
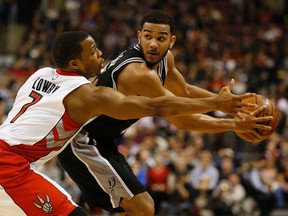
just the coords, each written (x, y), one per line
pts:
(187, 173)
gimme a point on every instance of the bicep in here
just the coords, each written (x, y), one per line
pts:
(176, 83)
(150, 86)
(145, 82)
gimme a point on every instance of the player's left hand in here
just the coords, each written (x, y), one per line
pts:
(230, 103)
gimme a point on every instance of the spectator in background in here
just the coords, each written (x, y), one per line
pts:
(222, 154)
(157, 182)
(283, 177)
(179, 191)
(204, 175)
(226, 168)
(260, 182)
(227, 198)
(283, 149)
(203, 178)
(141, 165)
(179, 197)
(269, 174)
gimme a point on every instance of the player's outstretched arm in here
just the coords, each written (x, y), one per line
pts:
(208, 124)
(88, 101)
(117, 105)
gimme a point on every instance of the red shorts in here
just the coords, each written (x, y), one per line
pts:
(24, 191)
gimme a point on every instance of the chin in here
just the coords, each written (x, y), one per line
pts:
(151, 64)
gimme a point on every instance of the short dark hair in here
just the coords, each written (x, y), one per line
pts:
(67, 46)
(159, 17)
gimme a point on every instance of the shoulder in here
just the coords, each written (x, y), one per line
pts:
(170, 59)
(44, 70)
(139, 72)
(136, 65)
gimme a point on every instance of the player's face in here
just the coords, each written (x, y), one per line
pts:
(90, 62)
(155, 40)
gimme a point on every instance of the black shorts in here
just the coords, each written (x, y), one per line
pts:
(104, 182)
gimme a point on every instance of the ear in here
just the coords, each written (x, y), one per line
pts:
(172, 41)
(73, 65)
(138, 36)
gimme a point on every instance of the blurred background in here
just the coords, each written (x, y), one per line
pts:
(216, 40)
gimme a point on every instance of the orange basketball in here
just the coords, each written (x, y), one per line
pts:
(271, 110)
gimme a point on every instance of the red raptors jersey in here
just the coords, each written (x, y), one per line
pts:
(38, 125)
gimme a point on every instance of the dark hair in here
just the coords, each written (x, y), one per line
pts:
(67, 46)
(159, 17)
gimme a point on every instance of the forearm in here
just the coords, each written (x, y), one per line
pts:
(196, 92)
(203, 123)
(138, 106)
(173, 106)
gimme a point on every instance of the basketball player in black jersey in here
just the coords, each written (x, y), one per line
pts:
(147, 69)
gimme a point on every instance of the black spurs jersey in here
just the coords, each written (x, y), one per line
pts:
(105, 128)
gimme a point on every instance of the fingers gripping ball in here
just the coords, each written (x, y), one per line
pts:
(271, 110)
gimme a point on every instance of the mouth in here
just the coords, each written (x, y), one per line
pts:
(152, 55)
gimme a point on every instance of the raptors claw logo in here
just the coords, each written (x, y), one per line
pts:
(45, 205)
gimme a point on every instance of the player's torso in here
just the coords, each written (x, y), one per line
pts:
(106, 127)
(38, 118)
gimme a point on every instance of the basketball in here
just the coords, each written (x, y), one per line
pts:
(271, 110)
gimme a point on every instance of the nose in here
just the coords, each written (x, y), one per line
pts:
(153, 44)
(99, 53)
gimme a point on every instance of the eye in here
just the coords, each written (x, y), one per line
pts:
(148, 36)
(162, 39)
